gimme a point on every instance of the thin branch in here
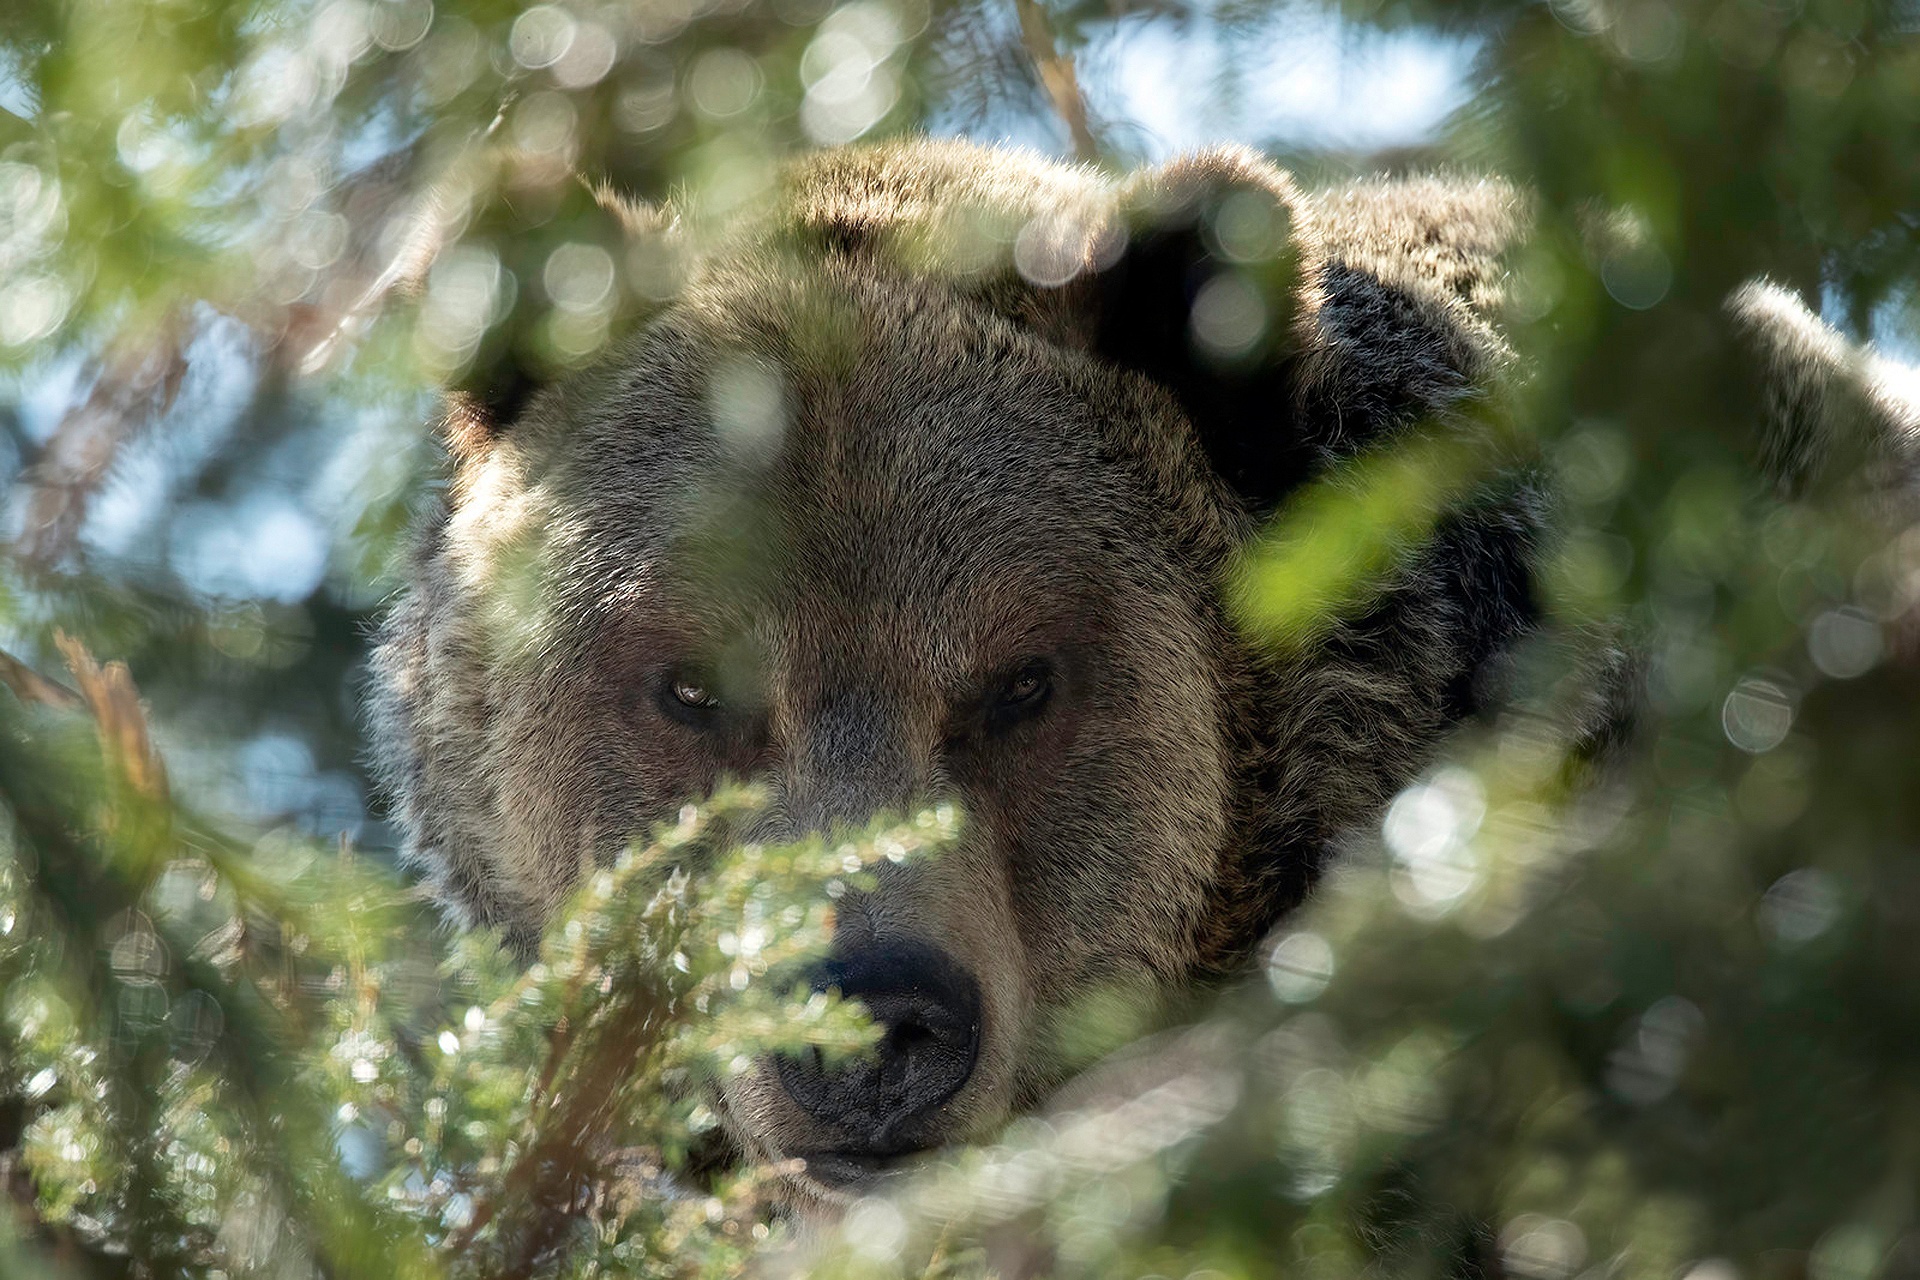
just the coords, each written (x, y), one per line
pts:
(1057, 77)
(30, 686)
(115, 703)
(374, 199)
(136, 384)
(382, 198)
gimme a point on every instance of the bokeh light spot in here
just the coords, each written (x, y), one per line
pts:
(588, 59)
(1300, 966)
(1229, 317)
(1429, 828)
(541, 36)
(1542, 1248)
(1844, 643)
(1648, 1063)
(1800, 906)
(397, 25)
(723, 83)
(1757, 715)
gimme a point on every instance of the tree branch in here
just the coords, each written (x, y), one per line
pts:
(115, 703)
(1057, 76)
(137, 382)
(30, 686)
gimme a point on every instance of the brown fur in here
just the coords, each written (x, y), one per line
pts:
(1833, 410)
(861, 466)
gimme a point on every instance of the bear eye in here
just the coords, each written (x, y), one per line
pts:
(1023, 692)
(687, 696)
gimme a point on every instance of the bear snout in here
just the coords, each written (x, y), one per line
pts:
(889, 1101)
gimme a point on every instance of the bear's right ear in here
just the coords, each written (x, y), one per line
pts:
(1205, 284)
(525, 292)
(1298, 331)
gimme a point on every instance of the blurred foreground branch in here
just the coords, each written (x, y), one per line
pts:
(107, 693)
(115, 704)
(1057, 77)
(33, 688)
(135, 384)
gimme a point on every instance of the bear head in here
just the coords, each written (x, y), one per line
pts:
(929, 483)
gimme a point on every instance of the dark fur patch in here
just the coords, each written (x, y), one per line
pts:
(1243, 413)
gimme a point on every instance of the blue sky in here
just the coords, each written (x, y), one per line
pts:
(1308, 79)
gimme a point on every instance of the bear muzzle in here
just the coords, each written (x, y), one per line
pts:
(889, 1101)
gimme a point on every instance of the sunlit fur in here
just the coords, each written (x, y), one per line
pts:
(1833, 410)
(881, 478)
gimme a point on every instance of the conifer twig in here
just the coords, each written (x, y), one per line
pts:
(29, 685)
(136, 383)
(109, 694)
(1057, 76)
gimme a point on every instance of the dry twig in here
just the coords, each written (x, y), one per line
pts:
(115, 704)
(30, 686)
(390, 221)
(137, 382)
(1057, 76)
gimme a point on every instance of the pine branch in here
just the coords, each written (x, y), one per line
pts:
(136, 383)
(109, 694)
(33, 688)
(1057, 77)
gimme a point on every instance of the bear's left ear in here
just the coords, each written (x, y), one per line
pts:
(1297, 330)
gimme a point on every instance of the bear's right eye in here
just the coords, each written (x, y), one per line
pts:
(689, 694)
(688, 697)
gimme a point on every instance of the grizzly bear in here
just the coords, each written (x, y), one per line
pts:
(931, 481)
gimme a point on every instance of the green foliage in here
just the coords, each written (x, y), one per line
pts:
(247, 1060)
(1531, 1026)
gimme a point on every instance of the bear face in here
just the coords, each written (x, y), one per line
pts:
(880, 533)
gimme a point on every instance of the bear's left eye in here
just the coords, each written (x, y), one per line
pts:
(1023, 692)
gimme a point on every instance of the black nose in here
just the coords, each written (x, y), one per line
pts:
(928, 1011)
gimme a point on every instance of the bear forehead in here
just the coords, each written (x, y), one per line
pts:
(854, 440)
